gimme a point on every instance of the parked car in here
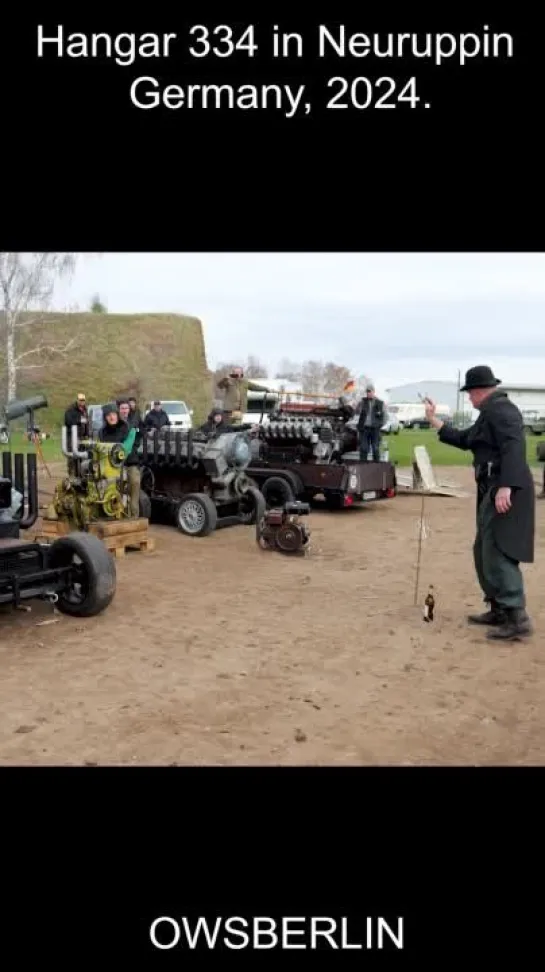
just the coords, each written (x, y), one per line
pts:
(179, 415)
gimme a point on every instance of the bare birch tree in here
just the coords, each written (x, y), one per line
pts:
(27, 281)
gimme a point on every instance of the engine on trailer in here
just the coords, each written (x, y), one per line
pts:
(308, 433)
(281, 529)
(94, 488)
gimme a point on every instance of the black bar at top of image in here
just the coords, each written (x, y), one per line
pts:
(91, 171)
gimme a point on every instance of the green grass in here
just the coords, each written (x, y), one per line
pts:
(145, 355)
(401, 448)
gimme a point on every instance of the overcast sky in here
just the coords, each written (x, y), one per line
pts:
(396, 317)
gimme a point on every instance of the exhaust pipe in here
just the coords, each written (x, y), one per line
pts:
(75, 452)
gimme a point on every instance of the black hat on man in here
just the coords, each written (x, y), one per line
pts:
(481, 376)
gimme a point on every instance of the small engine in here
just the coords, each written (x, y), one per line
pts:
(94, 490)
(281, 529)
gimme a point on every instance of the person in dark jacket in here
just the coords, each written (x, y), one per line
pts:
(115, 430)
(132, 462)
(370, 422)
(505, 501)
(156, 418)
(135, 411)
(77, 414)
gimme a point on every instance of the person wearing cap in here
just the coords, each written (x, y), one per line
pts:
(235, 396)
(370, 422)
(77, 414)
(505, 501)
(156, 418)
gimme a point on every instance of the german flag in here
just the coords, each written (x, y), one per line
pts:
(350, 385)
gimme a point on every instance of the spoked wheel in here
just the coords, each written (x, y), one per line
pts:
(251, 507)
(91, 575)
(196, 515)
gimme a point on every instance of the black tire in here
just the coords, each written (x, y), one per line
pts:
(540, 451)
(277, 492)
(252, 506)
(196, 515)
(144, 506)
(93, 580)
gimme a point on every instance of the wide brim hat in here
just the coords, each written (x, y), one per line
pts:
(480, 377)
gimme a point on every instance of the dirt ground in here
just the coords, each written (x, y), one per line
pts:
(216, 653)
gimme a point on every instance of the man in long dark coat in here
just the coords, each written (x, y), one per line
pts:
(505, 502)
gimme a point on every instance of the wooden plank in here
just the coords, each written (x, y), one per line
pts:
(107, 528)
(424, 467)
(115, 545)
(99, 528)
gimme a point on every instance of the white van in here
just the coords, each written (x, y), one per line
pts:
(179, 415)
(413, 415)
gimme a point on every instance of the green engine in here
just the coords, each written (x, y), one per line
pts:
(94, 488)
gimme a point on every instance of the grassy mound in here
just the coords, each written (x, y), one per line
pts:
(145, 355)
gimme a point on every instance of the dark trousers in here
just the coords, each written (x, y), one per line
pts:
(369, 439)
(500, 577)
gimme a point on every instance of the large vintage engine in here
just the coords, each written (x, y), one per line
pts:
(94, 488)
(199, 481)
(315, 434)
(221, 461)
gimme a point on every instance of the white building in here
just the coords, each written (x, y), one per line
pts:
(529, 398)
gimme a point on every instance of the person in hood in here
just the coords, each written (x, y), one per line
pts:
(156, 418)
(132, 462)
(216, 425)
(115, 430)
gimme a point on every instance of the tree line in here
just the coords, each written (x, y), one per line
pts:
(314, 377)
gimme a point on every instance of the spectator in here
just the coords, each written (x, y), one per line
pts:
(77, 414)
(370, 422)
(132, 462)
(156, 418)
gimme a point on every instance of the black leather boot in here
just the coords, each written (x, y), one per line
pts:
(494, 617)
(517, 625)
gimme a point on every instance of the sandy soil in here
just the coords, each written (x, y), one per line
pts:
(216, 653)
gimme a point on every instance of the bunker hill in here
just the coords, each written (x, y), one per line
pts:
(114, 354)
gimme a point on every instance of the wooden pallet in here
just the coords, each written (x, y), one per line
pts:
(118, 536)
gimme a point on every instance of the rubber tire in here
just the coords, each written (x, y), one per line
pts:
(275, 484)
(540, 451)
(210, 514)
(144, 506)
(259, 507)
(100, 567)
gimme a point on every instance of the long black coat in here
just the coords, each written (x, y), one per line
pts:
(497, 438)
